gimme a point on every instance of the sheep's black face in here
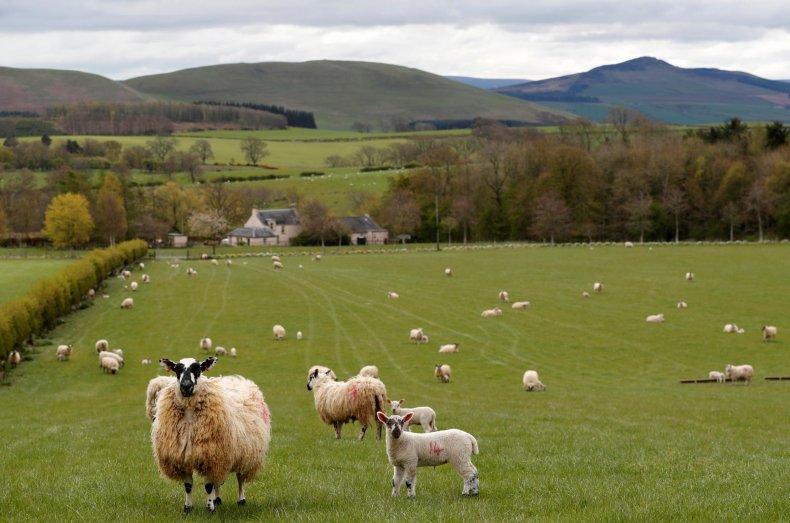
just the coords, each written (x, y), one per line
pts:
(187, 373)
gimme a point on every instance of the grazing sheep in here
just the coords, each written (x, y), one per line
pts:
(769, 332)
(279, 332)
(127, 303)
(277, 265)
(491, 313)
(215, 262)
(739, 372)
(146, 361)
(370, 371)
(689, 276)
(682, 304)
(126, 274)
(63, 352)
(14, 358)
(598, 286)
(716, 375)
(338, 402)
(299, 335)
(503, 296)
(109, 365)
(317, 257)
(220, 351)
(119, 352)
(423, 416)
(417, 336)
(114, 355)
(102, 345)
(146, 278)
(228, 263)
(204, 256)
(655, 318)
(155, 386)
(233, 352)
(532, 382)
(629, 245)
(205, 344)
(443, 372)
(392, 295)
(191, 271)
(585, 294)
(731, 328)
(91, 293)
(521, 305)
(408, 450)
(448, 271)
(449, 347)
(209, 426)
(133, 286)
(275, 258)
(142, 266)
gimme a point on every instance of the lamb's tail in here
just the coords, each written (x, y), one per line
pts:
(475, 449)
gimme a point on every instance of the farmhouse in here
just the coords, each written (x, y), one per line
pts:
(365, 231)
(283, 223)
(252, 236)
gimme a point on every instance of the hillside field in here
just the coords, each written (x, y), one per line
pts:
(614, 437)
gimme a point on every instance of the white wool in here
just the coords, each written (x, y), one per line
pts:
(491, 313)
(739, 372)
(449, 347)
(220, 351)
(63, 352)
(371, 371)
(423, 416)
(102, 345)
(393, 295)
(716, 375)
(417, 336)
(205, 344)
(520, 305)
(279, 332)
(598, 286)
(127, 303)
(769, 332)
(114, 355)
(531, 381)
(443, 372)
(655, 318)
(110, 365)
(503, 296)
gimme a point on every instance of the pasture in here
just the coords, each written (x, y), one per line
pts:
(615, 436)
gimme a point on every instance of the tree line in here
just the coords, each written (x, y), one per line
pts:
(294, 117)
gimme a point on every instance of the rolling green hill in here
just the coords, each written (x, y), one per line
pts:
(662, 91)
(341, 93)
(34, 89)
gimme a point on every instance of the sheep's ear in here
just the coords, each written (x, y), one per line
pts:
(167, 364)
(400, 401)
(208, 363)
(381, 417)
(407, 417)
(328, 372)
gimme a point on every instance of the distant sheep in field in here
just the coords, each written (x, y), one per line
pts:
(682, 304)
(491, 313)
(133, 286)
(598, 286)
(532, 382)
(109, 365)
(716, 375)
(63, 352)
(277, 265)
(114, 355)
(14, 358)
(142, 266)
(739, 373)
(731, 328)
(448, 271)
(655, 318)
(220, 351)
(370, 371)
(317, 257)
(503, 296)
(204, 256)
(126, 274)
(629, 245)
(408, 450)
(119, 352)
(228, 263)
(146, 361)
(338, 402)
(233, 352)
(191, 271)
(210, 426)
(215, 262)
(418, 336)
(146, 278)
(279, 332)
(423, 416)
(443, 372)
(769, 332)
(689, 276)
(521, 305)
(449, 347)
(393, 295)
(299, 335)
(102, 345)
(127, 303)
(585, 294)
(91, 293)
(205, 344)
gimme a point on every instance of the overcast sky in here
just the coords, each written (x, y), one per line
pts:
(123, 39)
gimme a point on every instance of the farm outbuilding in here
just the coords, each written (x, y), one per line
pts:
(365, 231)
(252, 236)
(176, 239)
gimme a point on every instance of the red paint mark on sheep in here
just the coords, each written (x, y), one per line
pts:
(265, 415)
(434, 448)
(352, 391)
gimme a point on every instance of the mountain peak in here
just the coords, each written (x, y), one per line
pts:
(636, 64)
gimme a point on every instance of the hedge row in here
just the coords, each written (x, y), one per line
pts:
(56, 296)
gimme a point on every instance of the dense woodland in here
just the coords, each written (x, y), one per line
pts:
(631, 180)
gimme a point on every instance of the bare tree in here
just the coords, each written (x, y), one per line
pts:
(638, 209)
(760, 201)
(254, 149)
(675, 203)
(161, 146)
(203, 150)
(400, 214)
(551, 218)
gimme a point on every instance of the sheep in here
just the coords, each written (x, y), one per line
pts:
(503, 296)
(133, 286)
(655, 318)
(739, 372)
(107, 354)
(204, 256)
(209, 426)
(423, 416)
(191, 271)
(155, 386)
(14, 358)
(448, 271)
(275, 258)
(127, 303)
(141, 265)
(215, 262)
(532, 382)
(769, 332)
(317, 257)
(220, 351)
(449, 347)
(109, 365)
(277, 265)
(233, 352)
(91, 293)
(126, 274)
(629, 245)
(689, 276)
(716, 375)
(228, 263)
(490, 313)
(521, 305)
(417, 336)
(408, 450)
(598, 286)
(146, 278)
(279, 332)
(338, 402)
(443, 372)
(393, 295)
(146, 361)
(682, 304)
(205, 344)
(323, 370)
(299, 335)
(63, 352)
(731, 328)
(370, 371)
(102, 345)
(119, 352)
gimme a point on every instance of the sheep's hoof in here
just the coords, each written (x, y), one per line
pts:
(217, 501)
(241, 502)
(187, 509)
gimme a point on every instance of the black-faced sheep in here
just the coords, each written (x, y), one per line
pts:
(279, 332)
(443, 372)
(14, 358)
(63, 352)
(338, 402)
(209, 426)
(109, 365)
(449, 347)
(127, 303)
(102, 345)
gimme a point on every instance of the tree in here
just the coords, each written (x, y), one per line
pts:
(551, 218)
(173, 204)
(190, 164)
(441, 162)
(400, 214)
(254, 149)
(675, 204)
(318, 222)
(202, 149)
(208, 224)
(67, 222)
(638, 209)
(776, 135)
(161, 146)
(46, 140)
(110, 211)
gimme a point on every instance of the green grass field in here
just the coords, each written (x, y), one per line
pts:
(614, 438)
(16, 276)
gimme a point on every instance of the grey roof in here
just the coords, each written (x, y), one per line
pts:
(253, 232)
(280, 216)
(362, 224)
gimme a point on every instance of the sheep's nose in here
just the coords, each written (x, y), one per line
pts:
(187, 389)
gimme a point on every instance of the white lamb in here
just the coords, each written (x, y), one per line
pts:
(233, 352)
(109, 365)
(682, 304)
(418, 336)
(769, 332)
(299, 335)
(133, 286)
(279, 332)
(585, 294)
(393, 295)
(449, 347)
(521, 305)
(739, 372)
(102, 345)
(63, 352)
(338, 402)
(731, 328)
(716, 375)
(443, 372)
(503, 296)
(205, 344)
(127, 303)
(448, 271)
(210, 426)
(491, 313)
(370, 371)
(423, 416)
(220, 351)
(655, 318)
(277, 265)
(689, 276)
(532, 382)
(598, 286)
(408, 450)
(114, 355)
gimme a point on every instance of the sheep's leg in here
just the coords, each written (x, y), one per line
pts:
(242, 499)
(397, 479)
(338, 427)
(211, 494)
(471, 479)
(362, 432)
(217, 498)
(411, 481)
(188, 490)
